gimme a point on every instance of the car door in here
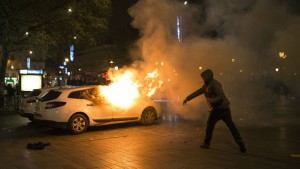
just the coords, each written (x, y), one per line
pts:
(92, 106)
(126, 114)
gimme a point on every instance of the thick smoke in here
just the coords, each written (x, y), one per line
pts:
(238, 40)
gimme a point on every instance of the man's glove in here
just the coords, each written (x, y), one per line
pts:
(185, 101)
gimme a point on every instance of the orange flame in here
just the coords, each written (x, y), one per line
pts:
(123, 91)
(125, 88)
(153, 84)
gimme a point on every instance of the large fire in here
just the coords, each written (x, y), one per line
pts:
(126, 88)
(152, 84)
(123, 91)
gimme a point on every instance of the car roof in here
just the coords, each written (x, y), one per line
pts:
(54, 87)
(75, 88)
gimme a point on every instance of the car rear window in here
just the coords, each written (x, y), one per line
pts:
(50, 95)
(34, 93)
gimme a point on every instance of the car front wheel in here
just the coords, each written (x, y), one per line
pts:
(78, 124)
(148, 116)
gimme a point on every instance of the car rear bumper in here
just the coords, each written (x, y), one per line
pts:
(23, 114)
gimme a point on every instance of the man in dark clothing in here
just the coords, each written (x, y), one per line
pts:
(10, 96)
(219, 108)
(10, 91)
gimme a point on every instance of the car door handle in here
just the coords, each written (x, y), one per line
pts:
(90, 104)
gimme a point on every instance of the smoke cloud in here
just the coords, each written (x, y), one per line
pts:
(239, 40)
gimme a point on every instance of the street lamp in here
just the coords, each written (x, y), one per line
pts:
(282, 55)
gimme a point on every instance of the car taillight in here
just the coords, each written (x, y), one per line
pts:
(52, 105)
(32, 100)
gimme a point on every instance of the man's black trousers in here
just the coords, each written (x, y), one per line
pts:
(214, 117)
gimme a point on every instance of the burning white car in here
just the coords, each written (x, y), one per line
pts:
(78, 108)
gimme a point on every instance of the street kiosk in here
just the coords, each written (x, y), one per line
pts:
(30, 79)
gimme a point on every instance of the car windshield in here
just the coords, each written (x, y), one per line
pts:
(34, 93)
(50, 95)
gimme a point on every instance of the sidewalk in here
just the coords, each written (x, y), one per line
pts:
(4, 111)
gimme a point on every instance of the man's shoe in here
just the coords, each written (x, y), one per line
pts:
(205, 146)
(242, 146)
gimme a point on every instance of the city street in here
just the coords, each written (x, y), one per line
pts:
(80, 64)
(171, 143)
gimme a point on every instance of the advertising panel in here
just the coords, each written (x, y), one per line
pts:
(30, 79)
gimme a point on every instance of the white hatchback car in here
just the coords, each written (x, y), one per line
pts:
(78, 108)
(27, 104)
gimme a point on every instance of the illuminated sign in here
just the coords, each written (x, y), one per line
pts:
(28, 62)
(30, 82)
(179, 36)
(72, 48)
(31, 71)
(30, 79)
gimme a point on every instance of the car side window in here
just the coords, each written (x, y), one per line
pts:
(91, 95)
(88, 94)
(75, 95)
(50, 95)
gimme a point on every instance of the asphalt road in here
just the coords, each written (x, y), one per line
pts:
(272, 142)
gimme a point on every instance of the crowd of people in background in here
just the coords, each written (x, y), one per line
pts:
(9, 96)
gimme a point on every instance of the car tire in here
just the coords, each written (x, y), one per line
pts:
(148, 116)
(78, 124)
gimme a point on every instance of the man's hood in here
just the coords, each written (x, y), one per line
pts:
(207, 75)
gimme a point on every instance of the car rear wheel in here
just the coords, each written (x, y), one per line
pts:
(78, 124)
(148, 116)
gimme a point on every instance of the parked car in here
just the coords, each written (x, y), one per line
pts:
(27, 104)
(78, 108)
